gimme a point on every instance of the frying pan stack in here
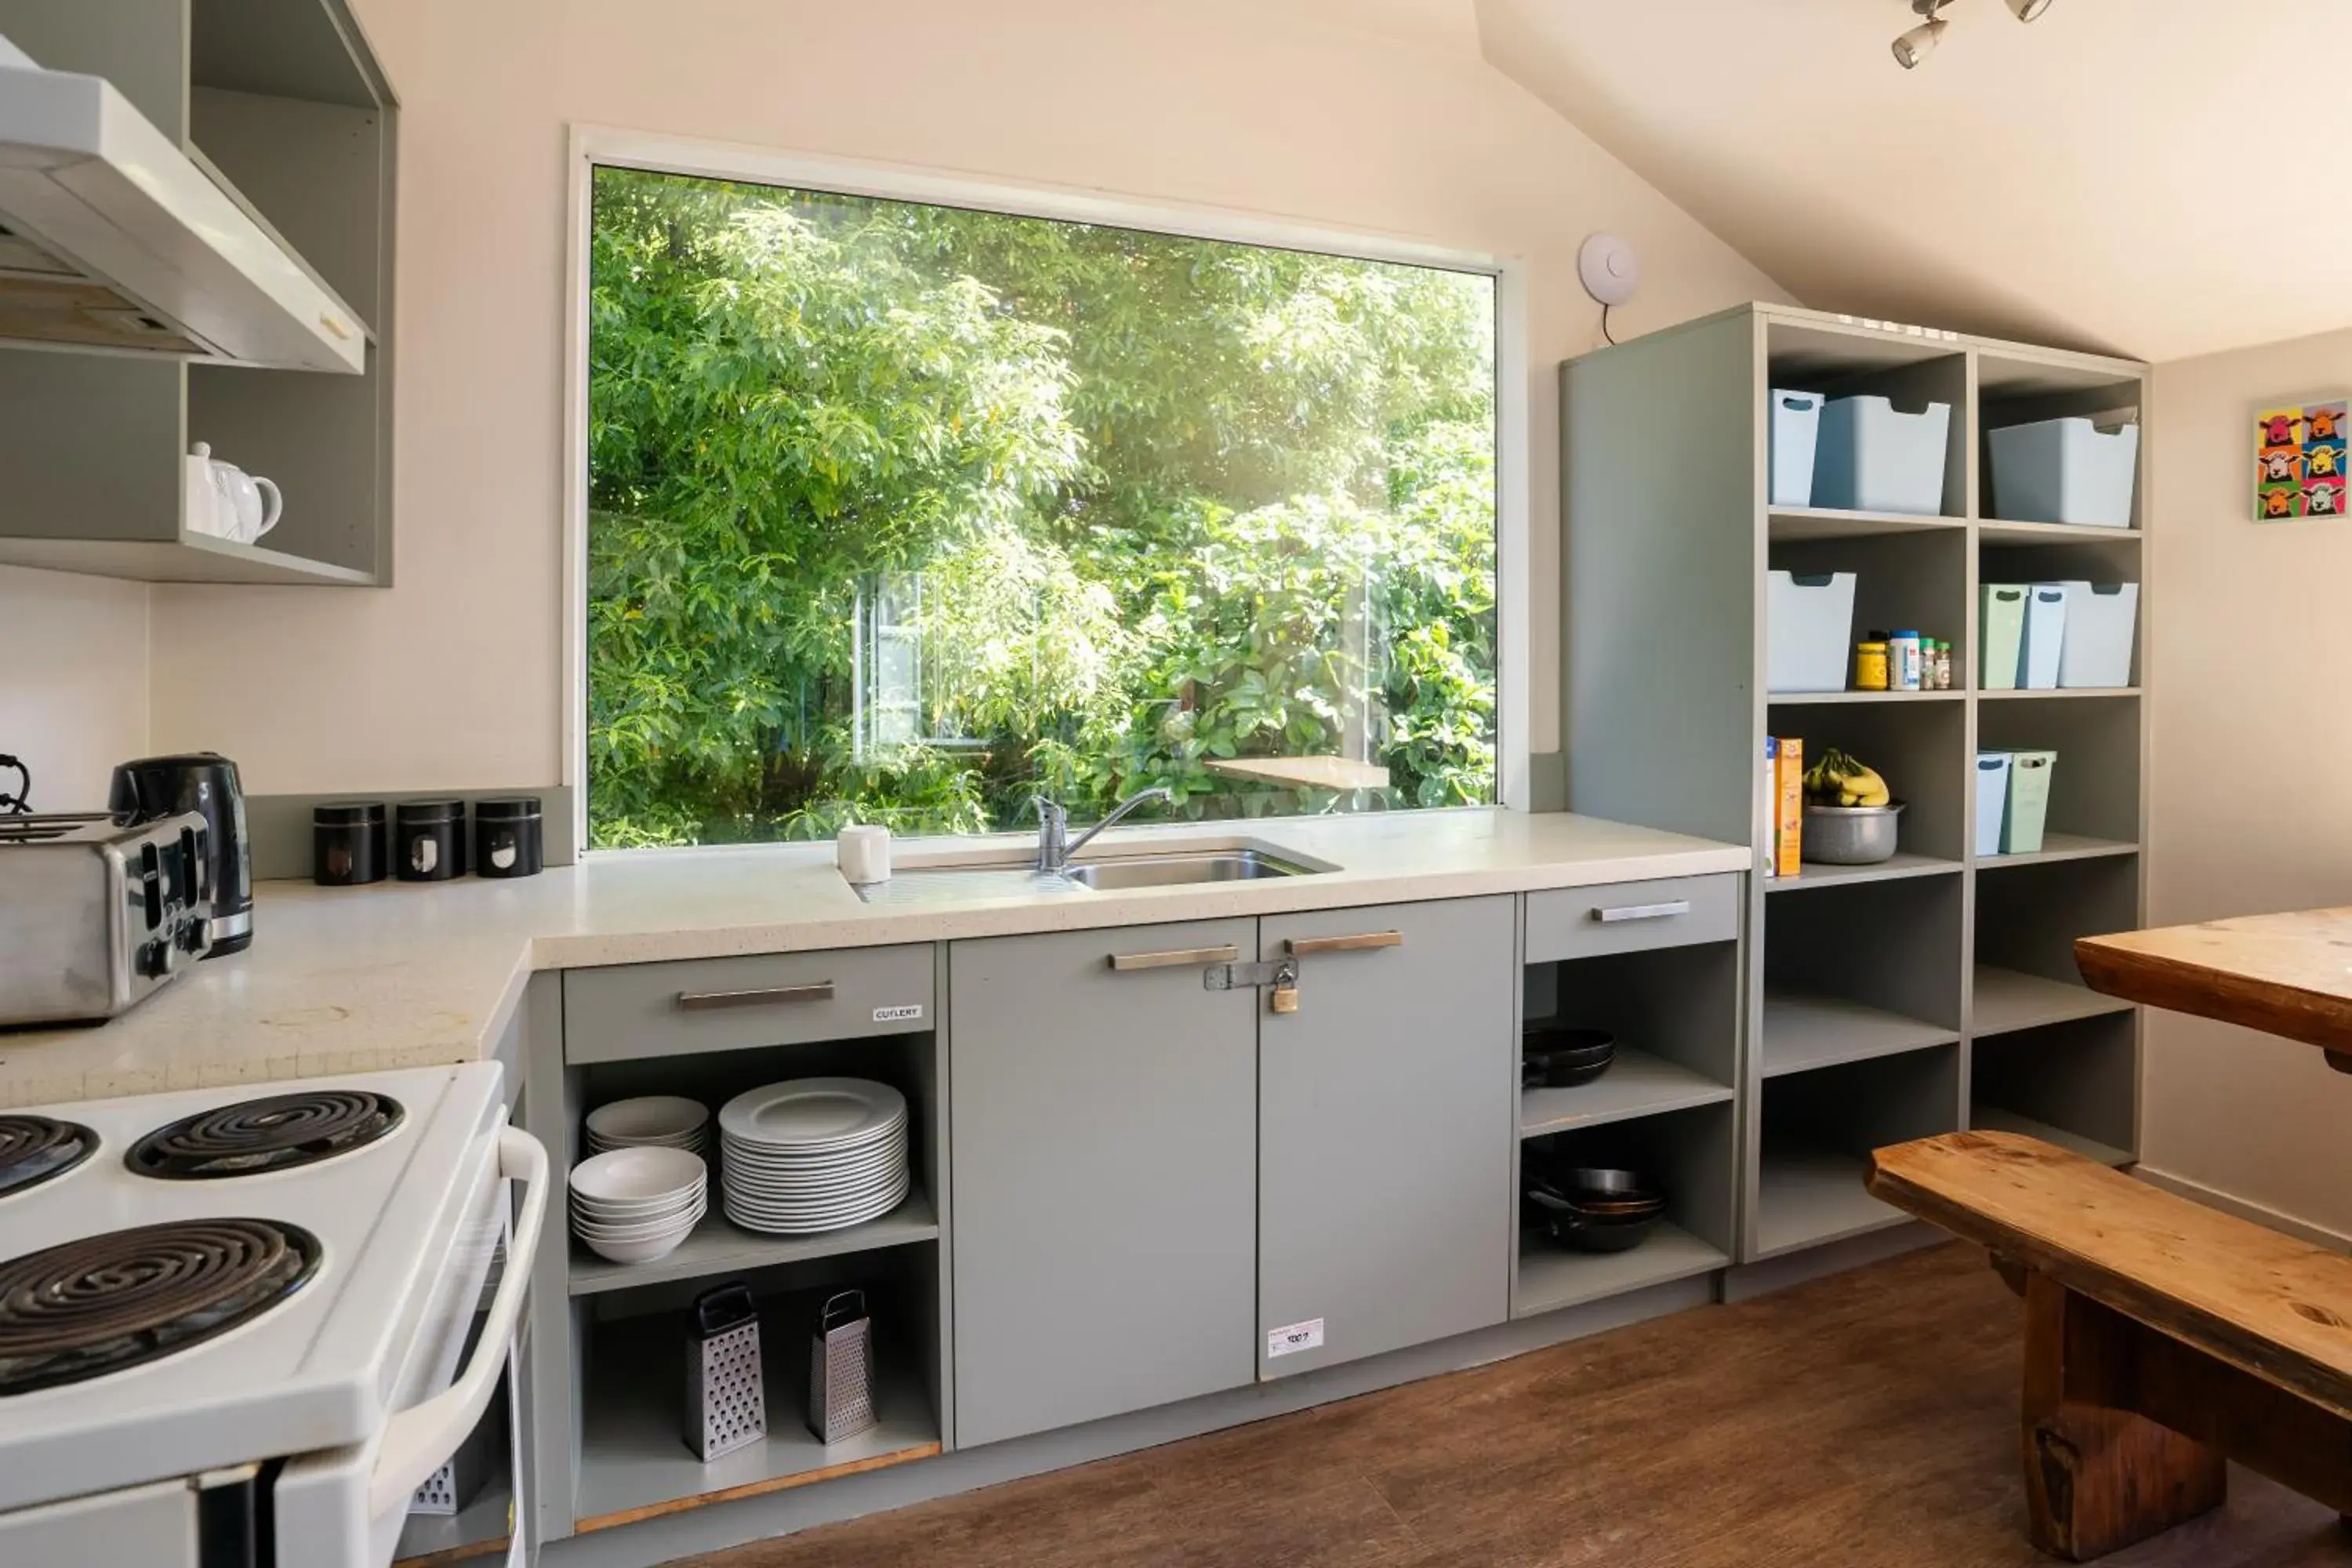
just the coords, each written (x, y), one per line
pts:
(1554, 1057)
(1592, 1209)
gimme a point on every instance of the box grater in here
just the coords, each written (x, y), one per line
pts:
(841, 1370)
(726, 1403)
(450, 1490)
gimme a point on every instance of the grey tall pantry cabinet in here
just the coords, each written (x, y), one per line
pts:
(1934, 990)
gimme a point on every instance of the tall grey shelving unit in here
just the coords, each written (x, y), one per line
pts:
(1937, 990)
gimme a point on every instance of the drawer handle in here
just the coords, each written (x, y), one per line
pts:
(1357, 943)
(1643, 912)
(709, 1001)
(1176, 958)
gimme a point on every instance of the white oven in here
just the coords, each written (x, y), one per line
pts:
(298, 1434)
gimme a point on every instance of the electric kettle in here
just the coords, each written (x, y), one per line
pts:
(207, 784)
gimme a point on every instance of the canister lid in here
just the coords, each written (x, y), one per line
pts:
(426, 813)
(508, 808)
(348, 813)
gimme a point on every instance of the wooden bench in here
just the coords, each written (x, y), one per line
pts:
(2162, 1338)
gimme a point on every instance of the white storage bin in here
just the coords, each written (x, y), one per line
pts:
(1796, 426)
(1809, 630)
(2065, 470)
(1872, 457)
(2100, 620)
(1992, 799)
(2045, 637)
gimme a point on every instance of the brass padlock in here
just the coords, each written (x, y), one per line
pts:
(1286, 987)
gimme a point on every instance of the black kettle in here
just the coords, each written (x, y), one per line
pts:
(207, 784)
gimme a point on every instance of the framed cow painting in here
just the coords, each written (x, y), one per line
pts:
(2299, 461)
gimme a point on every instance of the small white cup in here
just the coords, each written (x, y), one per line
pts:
(863, 853)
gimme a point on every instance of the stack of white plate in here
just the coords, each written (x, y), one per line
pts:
(816, 1153)
(650, 1121)
(633, 1205)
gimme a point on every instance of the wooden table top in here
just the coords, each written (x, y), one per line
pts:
(2287, 974)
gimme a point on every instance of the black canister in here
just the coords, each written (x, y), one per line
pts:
(428, 840)
(508, 837)
(347, 847)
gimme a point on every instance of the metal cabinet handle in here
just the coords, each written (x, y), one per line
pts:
(1303, 945)
(707, 1001)
(1643, 911)
(1176, 958)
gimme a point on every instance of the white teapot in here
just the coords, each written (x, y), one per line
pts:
(227, 502)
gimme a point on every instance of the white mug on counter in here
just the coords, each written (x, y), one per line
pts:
(863, 853)
(226, 502)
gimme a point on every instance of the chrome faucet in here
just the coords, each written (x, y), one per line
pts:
(1054, 845)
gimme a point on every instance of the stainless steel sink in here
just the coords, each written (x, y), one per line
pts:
(1112, 873)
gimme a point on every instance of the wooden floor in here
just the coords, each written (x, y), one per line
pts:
(1866, 1419)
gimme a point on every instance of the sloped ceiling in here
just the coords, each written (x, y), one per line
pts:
(2156, 178)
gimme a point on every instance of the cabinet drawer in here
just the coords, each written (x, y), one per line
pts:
(738, 1003)
(1630, 917)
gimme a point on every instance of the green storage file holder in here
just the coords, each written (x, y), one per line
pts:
(2028, 801)
(2000, 632)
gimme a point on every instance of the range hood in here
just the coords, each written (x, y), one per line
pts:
(115, 239)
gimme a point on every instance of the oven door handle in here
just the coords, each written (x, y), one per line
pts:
(420, 1439)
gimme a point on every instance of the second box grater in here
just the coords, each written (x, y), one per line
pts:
(726, 1403)
(841, 1370)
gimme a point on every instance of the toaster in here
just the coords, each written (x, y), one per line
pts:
(96, 915)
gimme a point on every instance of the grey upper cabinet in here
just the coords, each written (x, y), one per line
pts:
(1387, 1130)
(1104, 1175)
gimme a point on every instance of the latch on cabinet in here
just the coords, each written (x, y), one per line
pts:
(1281, 975)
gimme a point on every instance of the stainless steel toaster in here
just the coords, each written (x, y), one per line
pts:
(94, 915)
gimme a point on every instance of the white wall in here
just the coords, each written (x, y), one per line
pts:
(1387, 124)
(73, 682)
(2248, 661)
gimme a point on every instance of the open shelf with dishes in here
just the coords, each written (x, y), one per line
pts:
(1889, 976)
(617, 1340)
(1686, 1158)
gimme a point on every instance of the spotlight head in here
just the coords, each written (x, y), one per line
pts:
(1920, 42)
(2026, 10)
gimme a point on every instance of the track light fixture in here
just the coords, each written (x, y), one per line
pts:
(1920, 42)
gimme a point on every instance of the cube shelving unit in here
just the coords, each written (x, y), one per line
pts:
(1936, 990)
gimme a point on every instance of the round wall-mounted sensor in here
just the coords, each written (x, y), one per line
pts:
(1609, 268)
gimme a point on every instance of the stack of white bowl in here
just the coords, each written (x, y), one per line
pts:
(633, 1205)
(815, 1153)
(650, 1121)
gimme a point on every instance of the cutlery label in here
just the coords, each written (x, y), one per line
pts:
(904, 1013)
(1306, 1336)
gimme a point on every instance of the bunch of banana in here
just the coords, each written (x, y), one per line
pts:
(1838, 779)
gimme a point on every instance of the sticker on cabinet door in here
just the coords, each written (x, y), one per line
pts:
(1306, 1336)
(904, 1013)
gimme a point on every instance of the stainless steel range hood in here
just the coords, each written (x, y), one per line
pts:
(115, 239)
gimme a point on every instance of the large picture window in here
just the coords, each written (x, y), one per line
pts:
(906, 513)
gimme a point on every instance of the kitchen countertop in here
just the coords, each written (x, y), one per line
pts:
(344, 980)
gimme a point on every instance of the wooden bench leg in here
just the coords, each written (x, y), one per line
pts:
(2098, 1476)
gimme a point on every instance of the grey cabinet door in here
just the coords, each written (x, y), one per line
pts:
(1104, 1168)
(1387, 1133)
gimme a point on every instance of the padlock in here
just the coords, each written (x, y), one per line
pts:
(1286, 987)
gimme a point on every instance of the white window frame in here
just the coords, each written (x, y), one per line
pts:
(594, 146)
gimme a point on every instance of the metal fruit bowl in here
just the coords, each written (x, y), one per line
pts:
(1852, 835)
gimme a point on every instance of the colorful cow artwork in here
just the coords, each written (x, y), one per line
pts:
(2299, 462)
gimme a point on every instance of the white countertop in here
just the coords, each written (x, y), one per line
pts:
(410, 974)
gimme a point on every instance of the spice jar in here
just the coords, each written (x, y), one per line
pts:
(429, 840)
(1940, 678)
(1903, 667)
(347, 843)
(1870, 667)
(508, 837)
